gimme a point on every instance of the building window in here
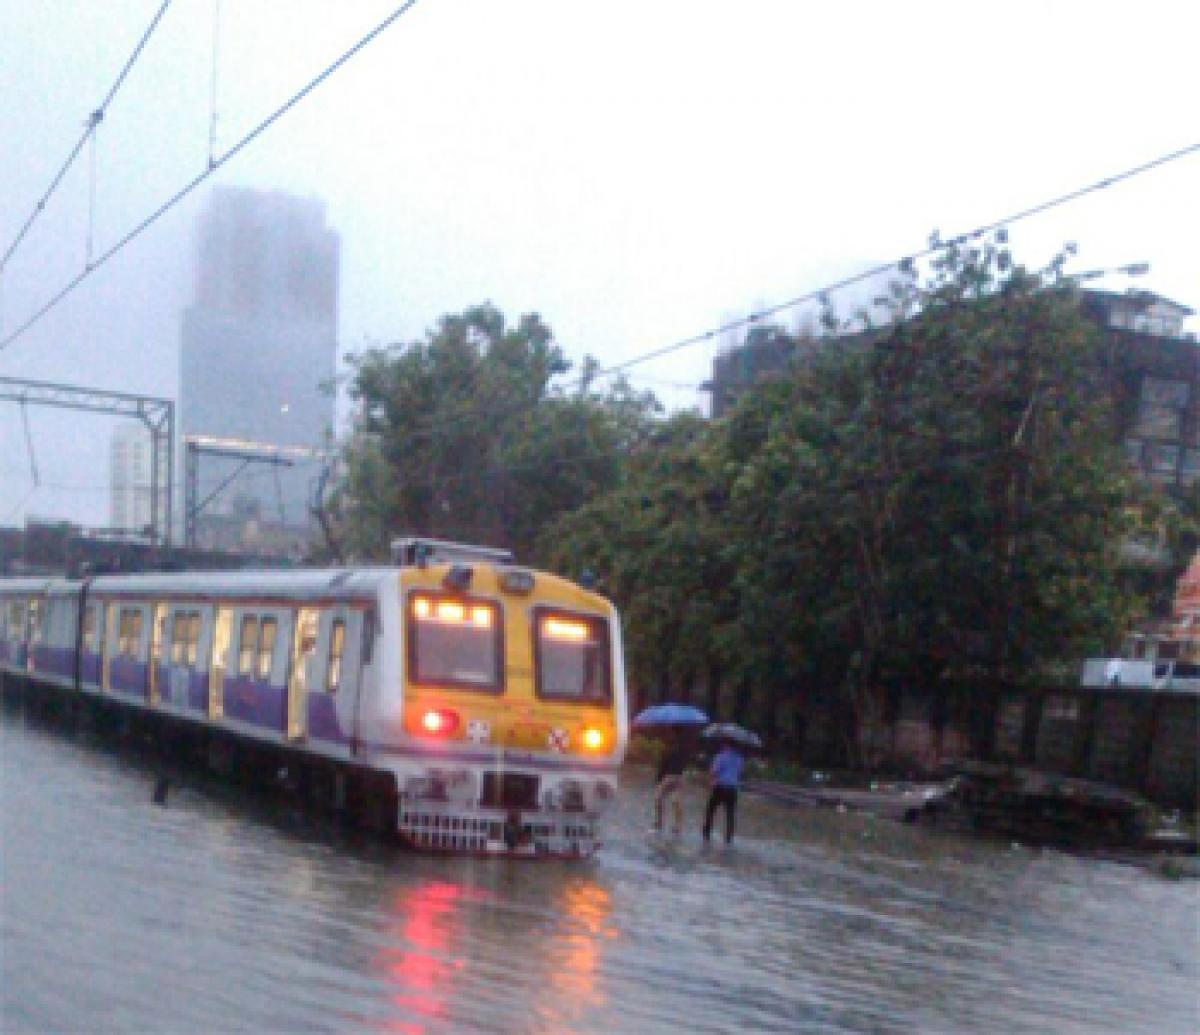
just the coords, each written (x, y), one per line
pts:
(1164, 459)
(1161, 407)
(1190, 471)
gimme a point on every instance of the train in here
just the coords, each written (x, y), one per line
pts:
(483, 702)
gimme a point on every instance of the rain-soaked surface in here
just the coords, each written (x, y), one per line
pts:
(216, 915)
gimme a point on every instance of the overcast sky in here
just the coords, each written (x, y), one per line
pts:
(637, 171)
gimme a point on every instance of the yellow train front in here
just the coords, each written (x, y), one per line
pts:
(514, 707)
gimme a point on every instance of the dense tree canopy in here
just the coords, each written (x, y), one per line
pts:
(935, 500)
(463, 436)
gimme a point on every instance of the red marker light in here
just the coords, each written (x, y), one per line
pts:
(439, 722)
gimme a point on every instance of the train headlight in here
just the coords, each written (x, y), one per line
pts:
(593, 739)
(439, 722)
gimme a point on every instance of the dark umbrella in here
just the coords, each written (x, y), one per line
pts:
(669, 715)
(731, 731)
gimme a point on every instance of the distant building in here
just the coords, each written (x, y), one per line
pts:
(1156, 378)
(259, 347)
(1157, 383)
(131, 479)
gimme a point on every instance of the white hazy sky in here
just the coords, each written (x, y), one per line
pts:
(636, 171)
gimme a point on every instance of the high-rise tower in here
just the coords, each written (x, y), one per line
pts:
(259, 347)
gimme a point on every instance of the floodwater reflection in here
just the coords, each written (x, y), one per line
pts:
(218, 914)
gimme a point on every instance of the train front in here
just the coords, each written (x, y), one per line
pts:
(514, 710)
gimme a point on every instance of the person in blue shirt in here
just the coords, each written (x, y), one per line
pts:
(725, 774)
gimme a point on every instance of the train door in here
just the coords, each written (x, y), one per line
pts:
(184, 675)
(219, 663)
(107, 645)
(127, 647)
(334, 675)
(158, 647)
(256, 681)
(303, 674)
(18, 618)
(33, 631)
(91, 644)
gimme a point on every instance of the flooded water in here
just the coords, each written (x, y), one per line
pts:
(215, 915)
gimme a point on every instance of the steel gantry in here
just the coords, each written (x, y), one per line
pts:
(157, 414)
(194, 446)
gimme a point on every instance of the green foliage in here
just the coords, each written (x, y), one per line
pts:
(934, 500)
(462, 436)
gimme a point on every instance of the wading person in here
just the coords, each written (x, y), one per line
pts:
(669, 783)
(725, 774)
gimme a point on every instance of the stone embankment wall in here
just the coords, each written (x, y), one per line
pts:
(1139, 740)
(1147, 741)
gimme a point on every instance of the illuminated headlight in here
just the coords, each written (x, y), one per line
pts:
(593, 739)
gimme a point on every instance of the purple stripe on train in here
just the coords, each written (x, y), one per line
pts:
(183, 687)
(54, 661)
(128, 676)
(89, 668)
(262, 704)
(322, 719)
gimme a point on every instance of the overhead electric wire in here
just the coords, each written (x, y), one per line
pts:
(94, 120)
(213, 166)
(601, 373)
(874, 271)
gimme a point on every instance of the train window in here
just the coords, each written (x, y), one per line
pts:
(337, 650)
(455, 641)
(248, 645)
(129, 633)
(185, 638)
(571, 652)
(91, 638)
(305, 647)
(266, 647)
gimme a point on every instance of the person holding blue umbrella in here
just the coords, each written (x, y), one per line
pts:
(668, 781)
(674, 721)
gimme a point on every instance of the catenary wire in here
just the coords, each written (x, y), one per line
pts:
(597, 374)
(213, 166)
(94, 120)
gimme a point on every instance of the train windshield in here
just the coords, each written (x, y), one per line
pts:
(572, 656)
(454, 641)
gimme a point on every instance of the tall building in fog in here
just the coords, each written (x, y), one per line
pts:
(258, 344)
(131, 479)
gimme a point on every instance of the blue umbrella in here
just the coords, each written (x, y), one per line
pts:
(670, 715)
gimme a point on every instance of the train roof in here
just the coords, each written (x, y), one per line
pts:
(335, 582)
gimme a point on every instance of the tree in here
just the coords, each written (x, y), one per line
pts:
(462, 436)
(942, 497)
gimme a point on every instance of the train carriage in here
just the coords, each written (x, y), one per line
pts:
(487, 698)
